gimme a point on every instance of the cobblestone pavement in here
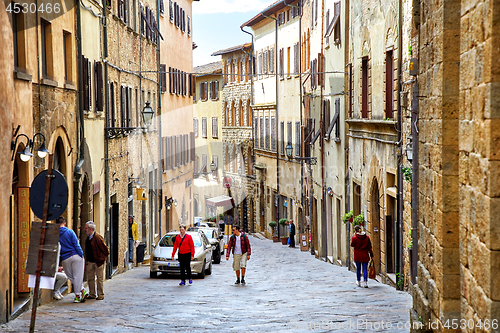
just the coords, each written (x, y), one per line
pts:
(286, 291)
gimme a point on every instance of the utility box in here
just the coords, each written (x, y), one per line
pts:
(139, 252)
(414, 66)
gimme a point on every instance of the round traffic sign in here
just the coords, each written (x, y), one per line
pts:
(58, 196)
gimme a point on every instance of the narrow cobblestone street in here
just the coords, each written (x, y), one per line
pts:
(286, 291)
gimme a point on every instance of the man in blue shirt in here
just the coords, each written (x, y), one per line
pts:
(72, 259)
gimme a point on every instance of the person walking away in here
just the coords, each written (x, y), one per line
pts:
(239, 245)
(292, 234)
(362, 254)
(61, 279)
(133, 236)
(72, 259)
(184, 243)
(96, 253)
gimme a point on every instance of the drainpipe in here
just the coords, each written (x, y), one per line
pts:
(251, 103)
(277, 117)
(322, 142)
(399, 224)
(414, 169)
(80, 131)
(160, 145)
(107, 231)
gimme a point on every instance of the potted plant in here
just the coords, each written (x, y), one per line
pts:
(284, 223)
(347, 217)
(359, 220)
(273, 225)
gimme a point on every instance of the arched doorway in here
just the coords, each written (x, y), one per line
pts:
(59, 164)
(375, 224)
(20, 225)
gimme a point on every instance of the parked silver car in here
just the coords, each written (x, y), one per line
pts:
(215, 239)
(162, 255)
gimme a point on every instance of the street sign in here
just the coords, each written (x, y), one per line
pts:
(226, 182)
(58, 198)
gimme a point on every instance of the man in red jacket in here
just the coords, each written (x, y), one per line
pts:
(240, 247)
(362, 254)
(184, 242)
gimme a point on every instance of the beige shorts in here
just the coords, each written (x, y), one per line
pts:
(239, 261)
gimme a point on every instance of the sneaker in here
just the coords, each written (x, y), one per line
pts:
(190, 281)
(242, 280)
(85, 294)
(100, 297)
(366, 284)
(358, 283)
(237, 281)
(57, 295)
(91, 297)
(78, 299)
(182, 283)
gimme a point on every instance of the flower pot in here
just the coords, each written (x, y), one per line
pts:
(276, 239)
(351, 219)
(284, 240)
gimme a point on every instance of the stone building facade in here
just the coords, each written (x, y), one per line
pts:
(207, 127)
(373, 129)
(237, 135)
(177, 135)
(40, 106)
(132, 147)
(458, 153)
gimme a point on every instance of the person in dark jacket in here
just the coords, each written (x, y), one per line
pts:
(72, 259)
(184, 242)
(292, 234)
(96, 253)
(240, 247)
(362, 254)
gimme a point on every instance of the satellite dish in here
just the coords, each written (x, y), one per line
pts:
(58, 195)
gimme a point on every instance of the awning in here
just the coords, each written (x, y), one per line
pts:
(220, 201)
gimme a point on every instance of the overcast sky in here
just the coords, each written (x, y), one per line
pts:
(216, 25)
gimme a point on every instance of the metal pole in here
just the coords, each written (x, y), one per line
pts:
(48, 182)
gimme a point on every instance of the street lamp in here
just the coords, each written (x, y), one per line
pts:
(169, 202)
(147, 113)
(289, 150)
(309, 160)
(213, 166)
(26, 154)
(409, 151)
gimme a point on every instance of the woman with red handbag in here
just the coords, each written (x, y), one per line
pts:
(362, 254)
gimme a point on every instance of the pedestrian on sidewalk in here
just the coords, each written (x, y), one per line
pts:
(292, 234)
(72, 259)
(61, 279)
(184, 242)
(96, 253)
(240, 247)
(362, 254)
(133, 236)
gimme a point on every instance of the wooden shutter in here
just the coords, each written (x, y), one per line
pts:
(273, 133)
(282, 136)
(100, 87)
(89, 84)
(85, 83)
(215, 129)
(193, 145)
(289, 132)
(297, 138)
(205, 87)
(163, 76)
(113, 105)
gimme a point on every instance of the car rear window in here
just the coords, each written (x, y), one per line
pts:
(167, 241)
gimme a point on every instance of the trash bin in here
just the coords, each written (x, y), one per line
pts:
(140, 252)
